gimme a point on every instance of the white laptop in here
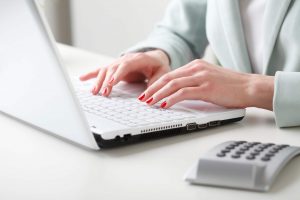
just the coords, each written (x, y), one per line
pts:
(36, 89)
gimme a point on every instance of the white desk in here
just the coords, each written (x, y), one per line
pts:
(38, 166)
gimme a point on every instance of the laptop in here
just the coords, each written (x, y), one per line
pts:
(36, 89)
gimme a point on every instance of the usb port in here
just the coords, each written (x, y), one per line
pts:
(202, 126)
(191, 127)
(214, 123)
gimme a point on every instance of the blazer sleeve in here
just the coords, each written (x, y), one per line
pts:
(286, 101)
(181, 33)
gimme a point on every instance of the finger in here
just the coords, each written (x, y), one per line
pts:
(164, 80)
(189, 93)
(123, 70)
(155, 77)
(89, 75)
(173, 86)
(107, 86)
(99, 81)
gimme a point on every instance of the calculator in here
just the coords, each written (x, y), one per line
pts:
(242, 165)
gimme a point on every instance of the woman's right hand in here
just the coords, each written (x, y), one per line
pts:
(132, 68)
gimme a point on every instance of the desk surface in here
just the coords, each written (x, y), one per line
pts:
(38, 166)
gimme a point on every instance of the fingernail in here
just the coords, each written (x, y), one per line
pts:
(163, 105)
(149, 100)
(104, 92)
(111, 80)
(141, 97)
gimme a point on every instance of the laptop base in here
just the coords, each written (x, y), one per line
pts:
(132, 139)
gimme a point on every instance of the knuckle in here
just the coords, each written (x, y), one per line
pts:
(182, 92)
(207, 86)
(114, 67)
(125, 64)
(195, 61)
(198, 61)
(173, 84)
(127, 55)
(96, 71)
(103, 69)
(200, 67)
(166, 78)
(194, 68)
(204, 74)
(139, 55)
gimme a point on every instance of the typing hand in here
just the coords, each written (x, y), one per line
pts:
(200, 80)
(132, 67)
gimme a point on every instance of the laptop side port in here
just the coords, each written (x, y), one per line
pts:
(214, 123)
(202, 126)
(126, 137)
(191, 127)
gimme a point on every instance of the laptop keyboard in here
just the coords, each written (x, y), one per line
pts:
(124, 108)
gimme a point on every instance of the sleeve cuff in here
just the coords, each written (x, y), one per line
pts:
(177, 50)
(286, 101)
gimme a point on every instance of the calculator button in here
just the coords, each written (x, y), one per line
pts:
(251, 157)
(270, 144)
(235, 156)
(258, 150)
(269, 154)
(254, 153)
(244, 148)
(229, 147)
(221, 154)
(264, 146)
(254, 143)
(273, 151)
(225, 151)
(277, 147)
(283, 146)
(265, 158)
(239, 152)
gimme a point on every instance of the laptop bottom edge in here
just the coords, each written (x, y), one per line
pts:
(132, 139)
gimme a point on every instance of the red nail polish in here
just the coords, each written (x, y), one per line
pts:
(142, 97)
(163, 105)
(149, 100)
(111, 80)
(104, 92)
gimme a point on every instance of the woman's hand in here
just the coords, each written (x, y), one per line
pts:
(200, 80)
(133, 67)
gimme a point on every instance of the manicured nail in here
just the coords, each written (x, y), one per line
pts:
(163, 105)
(149, 100)
(142, 97)
(104, 91)
(111, 80)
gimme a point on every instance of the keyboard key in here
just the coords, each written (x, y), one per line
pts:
(125, 109)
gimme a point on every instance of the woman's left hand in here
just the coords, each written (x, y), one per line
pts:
(200, 80)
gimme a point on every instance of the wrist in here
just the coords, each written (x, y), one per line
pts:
(160, 55)
(260, 91)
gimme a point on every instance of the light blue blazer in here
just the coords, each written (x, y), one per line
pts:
(190, 25)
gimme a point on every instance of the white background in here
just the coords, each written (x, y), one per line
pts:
(103, 26)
